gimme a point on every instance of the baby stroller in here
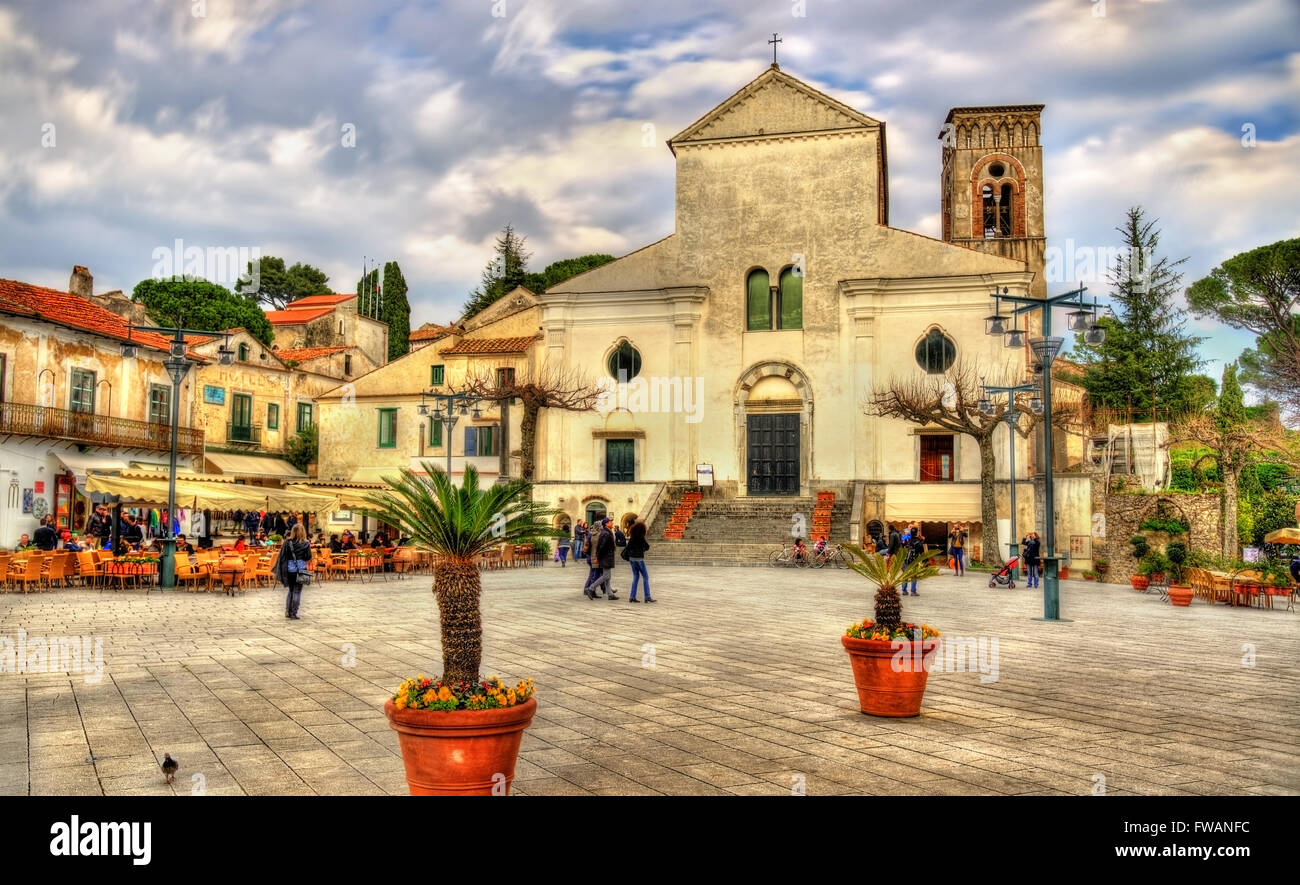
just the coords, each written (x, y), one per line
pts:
(1006, 577)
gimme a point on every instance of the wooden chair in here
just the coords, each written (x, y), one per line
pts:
(265, 568)
(59, 570)
(28, 574)
(193, 575)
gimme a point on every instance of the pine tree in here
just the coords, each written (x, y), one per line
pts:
(396, 311)
(507, 269)
(1148, 359)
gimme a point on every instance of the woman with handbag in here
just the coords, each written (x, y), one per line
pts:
(291, 568)
(634, 553)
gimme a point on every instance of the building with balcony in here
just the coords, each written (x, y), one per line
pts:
(251, 409)
(69, 403)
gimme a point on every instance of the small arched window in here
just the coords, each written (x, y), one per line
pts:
(625, 362)
(790, 295)
(759, 301)
(243, 353)
(936, 352)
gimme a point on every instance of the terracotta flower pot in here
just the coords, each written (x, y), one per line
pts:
(890, 676)
(1180, 595)
(1139, 582)
(460, 752)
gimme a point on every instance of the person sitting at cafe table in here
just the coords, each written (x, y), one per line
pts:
(183, 546)
(70, 542)
(336, 546)
(239, 543)
(349, 542)
(379, 541)
(131, 532)
(25, 541)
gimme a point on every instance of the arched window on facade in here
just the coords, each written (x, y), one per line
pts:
(625, 362)
(790, 297)
(758, 301)
(997, 210)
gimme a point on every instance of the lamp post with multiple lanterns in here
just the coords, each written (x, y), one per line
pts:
(1012, 417)
(178, 365)
(448, 409)
(1082, 319)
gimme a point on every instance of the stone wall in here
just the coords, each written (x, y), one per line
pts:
(1125, 512)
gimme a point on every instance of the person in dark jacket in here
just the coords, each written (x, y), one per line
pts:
(605, 560)
(637, 546)
(895, 542)
(957, 548)
(294, 549)
(336, 546)
(579, 540)
(915, 550)
(46, 538)
(1030, 550)
(131, 532)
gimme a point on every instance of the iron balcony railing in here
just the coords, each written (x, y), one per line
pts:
(21, 419)
(244, 433)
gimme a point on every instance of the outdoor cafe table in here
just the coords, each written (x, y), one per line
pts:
(122, 569)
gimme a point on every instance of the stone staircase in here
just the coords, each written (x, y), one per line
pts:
(740, 531)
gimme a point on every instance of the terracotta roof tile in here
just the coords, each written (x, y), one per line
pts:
(432, 334)
(70, 311)
(300, 315)
(490, 345)
(309, 353)
(318, 301)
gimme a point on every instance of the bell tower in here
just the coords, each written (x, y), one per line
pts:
(992, 184)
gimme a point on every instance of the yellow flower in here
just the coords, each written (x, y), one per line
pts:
(428, 697)
(444, 694)
(400, 702)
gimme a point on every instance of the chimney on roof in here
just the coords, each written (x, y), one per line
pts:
(82, 284)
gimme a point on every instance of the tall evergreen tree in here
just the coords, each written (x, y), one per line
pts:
(396, 311)
(1148, 360)
(507, 269)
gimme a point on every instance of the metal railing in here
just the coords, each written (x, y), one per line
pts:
(21, 419)
(244, 433)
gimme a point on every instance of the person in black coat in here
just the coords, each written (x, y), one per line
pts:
(605, 547)
(637, 546)
(1031, 549)
(294, 549)
(46, 538)
(895, 542)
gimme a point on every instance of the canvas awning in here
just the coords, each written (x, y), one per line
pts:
(350, 496)
(214, 495)
(933, 502)
(375, 474)
(253, 466)
(79, 465)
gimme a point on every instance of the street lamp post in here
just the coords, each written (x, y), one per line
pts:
(446, 406)
(177, 367)
(1082, 319)
(1012, 417)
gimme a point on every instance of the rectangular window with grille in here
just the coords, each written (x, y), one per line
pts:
(435, 432)
(304, 416)
(160, 404)
(435, 375)
(272, 416)
(82, 397)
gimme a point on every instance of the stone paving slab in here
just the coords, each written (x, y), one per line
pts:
(735, 683)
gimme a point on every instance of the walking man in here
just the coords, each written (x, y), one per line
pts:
(605, 558)
(894, 543)
(957, 548)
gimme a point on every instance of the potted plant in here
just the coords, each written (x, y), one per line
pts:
(890, 658)
(1180, 593)
(1100, 565)
(1154, 566)
(460, 733)
(1141, 548)
(1089, 575)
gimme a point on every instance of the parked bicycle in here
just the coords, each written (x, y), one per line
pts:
(789, 555)
(837, 555)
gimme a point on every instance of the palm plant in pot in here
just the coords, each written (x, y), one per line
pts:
(1180, 593)
(460, 733)
(890, 657)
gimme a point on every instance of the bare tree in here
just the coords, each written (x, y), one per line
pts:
(951, 401)
(548, 387)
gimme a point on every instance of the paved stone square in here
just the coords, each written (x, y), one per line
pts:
(735, 683)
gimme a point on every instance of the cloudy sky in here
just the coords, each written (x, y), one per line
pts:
(129, 124)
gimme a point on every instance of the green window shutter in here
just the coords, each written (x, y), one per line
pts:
(435, 375)
(791, 300)
(272, 416)
(435, 432)
(387, 428)
(759, 302)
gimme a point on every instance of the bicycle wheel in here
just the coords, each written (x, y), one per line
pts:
(818, 560)
(800, 561)
(841, 559)
(775, 558)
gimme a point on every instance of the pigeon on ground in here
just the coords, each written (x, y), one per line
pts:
(169, 767)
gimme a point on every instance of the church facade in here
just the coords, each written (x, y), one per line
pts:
(747, 342)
